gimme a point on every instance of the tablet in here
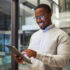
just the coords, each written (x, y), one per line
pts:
(15, 51)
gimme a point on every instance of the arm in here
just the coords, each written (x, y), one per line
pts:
(63, 53)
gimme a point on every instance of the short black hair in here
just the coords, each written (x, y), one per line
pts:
(45, 6)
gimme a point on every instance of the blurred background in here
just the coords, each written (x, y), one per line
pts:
(28, 25)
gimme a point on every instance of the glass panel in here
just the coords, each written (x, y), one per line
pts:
(5, 34)
(26, 21)
(65, 5)
(61, 18)
(61, 14)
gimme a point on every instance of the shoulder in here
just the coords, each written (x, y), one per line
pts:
(62, 35)
(59, 34)
(36, 33)
(59, 31)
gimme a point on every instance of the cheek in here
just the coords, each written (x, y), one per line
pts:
(36, 21)
(46, 19)
(39, 20)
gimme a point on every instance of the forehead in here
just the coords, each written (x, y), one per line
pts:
(40, 11)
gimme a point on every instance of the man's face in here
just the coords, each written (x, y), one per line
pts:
(43, 18)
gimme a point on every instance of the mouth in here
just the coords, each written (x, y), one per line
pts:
(40, 24)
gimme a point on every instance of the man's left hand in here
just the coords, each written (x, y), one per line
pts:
(30, 53)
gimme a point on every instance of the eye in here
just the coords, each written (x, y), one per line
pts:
(42, 17)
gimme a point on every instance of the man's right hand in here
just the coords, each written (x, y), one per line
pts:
(18, 58)
(28, 52)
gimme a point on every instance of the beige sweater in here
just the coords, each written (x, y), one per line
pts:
(53, 49)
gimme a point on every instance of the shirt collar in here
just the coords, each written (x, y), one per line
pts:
(47, 28)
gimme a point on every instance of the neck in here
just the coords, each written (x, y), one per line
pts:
(47, 26)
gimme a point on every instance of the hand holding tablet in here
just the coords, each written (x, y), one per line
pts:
(19, 57)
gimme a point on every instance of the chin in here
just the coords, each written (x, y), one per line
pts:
(42, 28)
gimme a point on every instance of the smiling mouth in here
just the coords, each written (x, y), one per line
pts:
(41, 24)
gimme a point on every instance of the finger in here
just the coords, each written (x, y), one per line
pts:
(23, 52)
(15, 55)
(20, 57)
(19, 60)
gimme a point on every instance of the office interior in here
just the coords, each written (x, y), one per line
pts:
(27, 26)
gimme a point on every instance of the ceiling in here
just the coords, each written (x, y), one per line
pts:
(5, 6)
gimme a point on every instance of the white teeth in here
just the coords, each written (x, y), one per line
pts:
(41, 23)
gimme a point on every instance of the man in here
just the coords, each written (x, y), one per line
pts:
(49, 48)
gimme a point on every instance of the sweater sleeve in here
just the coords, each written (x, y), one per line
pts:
(63, 53)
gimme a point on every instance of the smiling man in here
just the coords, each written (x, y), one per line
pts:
(49, 47)
(43, 17)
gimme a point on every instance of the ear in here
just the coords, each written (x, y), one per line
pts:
(50, 14)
